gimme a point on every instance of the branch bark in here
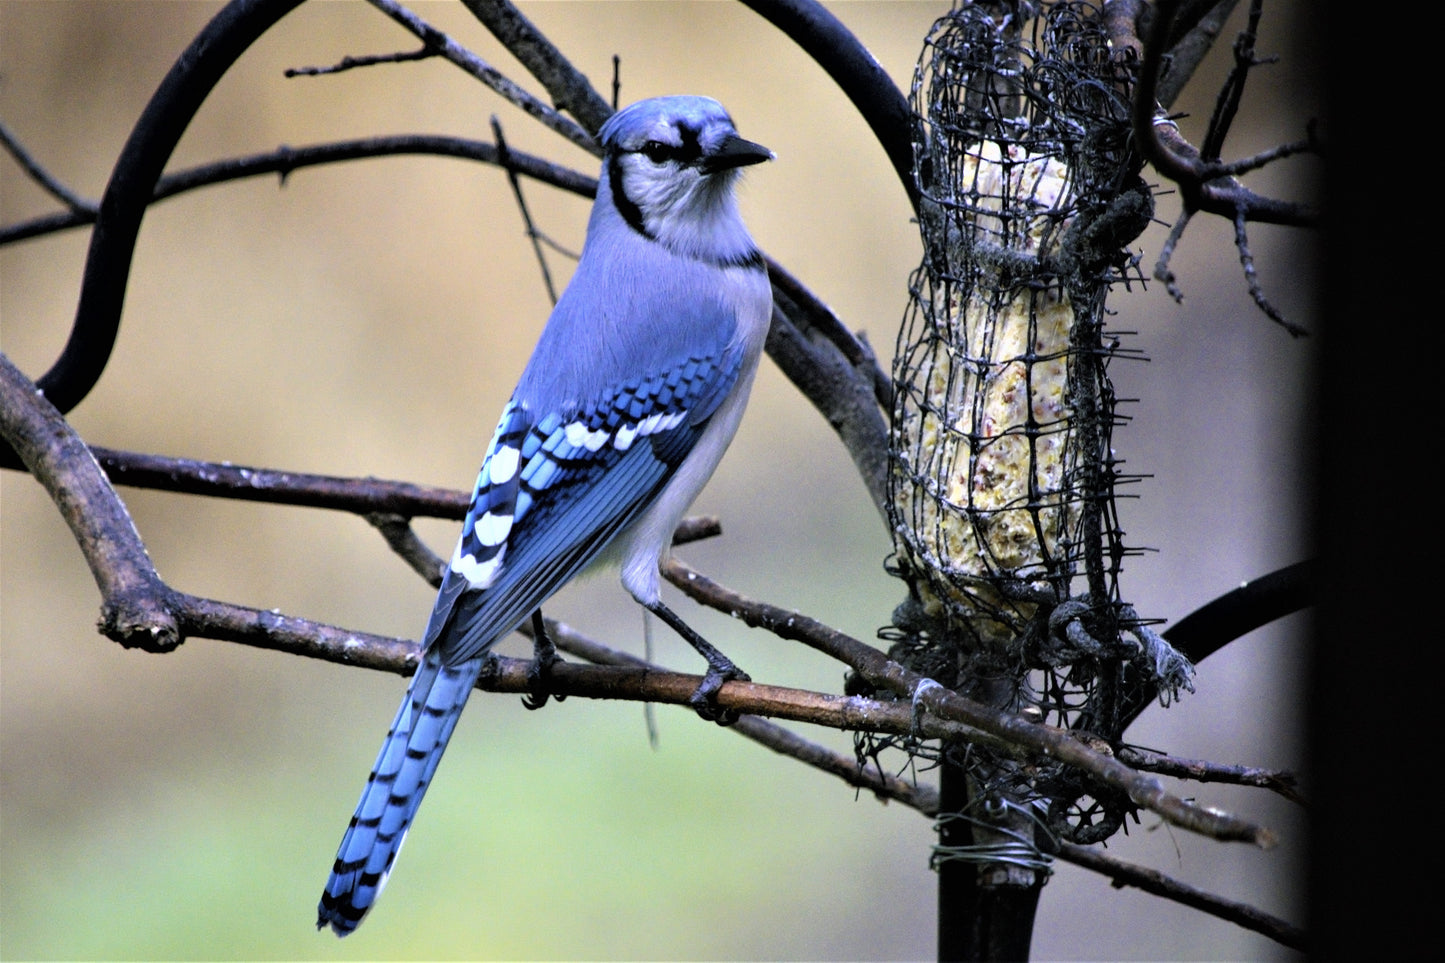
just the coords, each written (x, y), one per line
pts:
(1013, 733)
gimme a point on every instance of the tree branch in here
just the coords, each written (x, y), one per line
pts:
(1284, 783)
(42, 177)
(1204, 183)
(489, 75)
(1153, 881)
(1021, 738)
(569, 87)
(285, 160)
(138, 609)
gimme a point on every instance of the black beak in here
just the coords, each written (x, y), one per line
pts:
(735, 152)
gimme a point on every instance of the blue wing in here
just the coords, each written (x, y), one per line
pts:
(553, 491)
(557, 487)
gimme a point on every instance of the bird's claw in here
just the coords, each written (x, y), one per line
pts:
(539, 673)
(704, 698)
(539, 682)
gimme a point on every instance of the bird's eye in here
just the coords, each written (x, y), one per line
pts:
(656, 151)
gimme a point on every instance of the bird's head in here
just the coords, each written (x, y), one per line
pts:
(670, 164)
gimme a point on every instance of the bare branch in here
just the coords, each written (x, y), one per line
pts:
(362, 496)
(284, 160)
(397, 531)
(569, 88)
(1197, 27)
(351, 63)
(1251, 279)
(1205, 184)
(1153, 881)
(533, 234)
(138, 610)
(489, 75)
(1284, 783)
(42, 177)
(1021, 737)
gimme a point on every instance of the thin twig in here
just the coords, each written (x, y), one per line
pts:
(532, 234)
(1153, 881)
(1231, 94)
(42, 177)
(404, 541)
(1251, 279)
(371, 60)
(1278, 781)
(363, 496)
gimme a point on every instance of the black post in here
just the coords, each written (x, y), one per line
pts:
(984, 914)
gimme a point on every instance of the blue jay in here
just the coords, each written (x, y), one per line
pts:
(632, 395)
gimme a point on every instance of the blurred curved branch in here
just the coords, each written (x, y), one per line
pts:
(857, 73)
(128, 193)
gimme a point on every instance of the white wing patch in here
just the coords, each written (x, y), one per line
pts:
(479, 575)
(503, 465)
(492, 530)
(578, 435)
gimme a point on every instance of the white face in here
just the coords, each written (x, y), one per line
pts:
(671, 167)
(664, 175)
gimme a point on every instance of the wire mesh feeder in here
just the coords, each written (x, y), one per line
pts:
(1002, 481)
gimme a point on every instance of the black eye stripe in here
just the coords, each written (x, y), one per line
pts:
(686, 152)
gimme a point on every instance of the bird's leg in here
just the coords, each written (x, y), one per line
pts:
(544, 656)
(720, 668)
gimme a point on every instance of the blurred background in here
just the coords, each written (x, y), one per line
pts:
(370, 318)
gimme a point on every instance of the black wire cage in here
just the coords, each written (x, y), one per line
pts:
(1003, 479)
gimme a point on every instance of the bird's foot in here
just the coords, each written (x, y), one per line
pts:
(704, 698)
(539, 673)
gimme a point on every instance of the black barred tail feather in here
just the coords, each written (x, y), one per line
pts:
(395, 788)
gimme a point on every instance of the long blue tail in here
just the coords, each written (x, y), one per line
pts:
(395, 788)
